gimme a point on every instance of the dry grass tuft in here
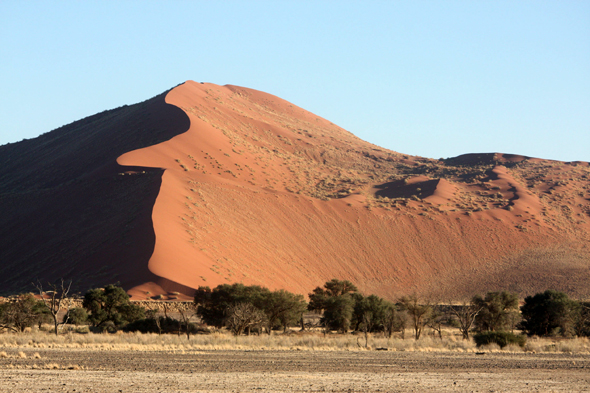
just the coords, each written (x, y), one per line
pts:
(73, 367)
(295, 341)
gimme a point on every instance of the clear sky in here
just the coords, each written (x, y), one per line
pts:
(429, 78)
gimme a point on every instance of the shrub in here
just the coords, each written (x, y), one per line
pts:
(76, 316)
(501, 338)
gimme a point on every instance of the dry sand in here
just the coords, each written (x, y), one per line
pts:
(262, 192)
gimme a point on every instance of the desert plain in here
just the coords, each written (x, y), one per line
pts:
(294, 363)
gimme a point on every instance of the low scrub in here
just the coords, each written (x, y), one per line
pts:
(502, 339)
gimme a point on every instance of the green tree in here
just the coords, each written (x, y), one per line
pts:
(497, 311)
(42, 313)
(338, 312)
(111, 305)
(549, 313)
(213, 305)
(337, 300)
(370, 312)
(333, 288)
(76, 316)
(282, 309)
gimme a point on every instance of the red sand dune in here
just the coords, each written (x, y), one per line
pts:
(259, 191)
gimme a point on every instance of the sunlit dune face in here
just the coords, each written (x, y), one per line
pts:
(262, 192)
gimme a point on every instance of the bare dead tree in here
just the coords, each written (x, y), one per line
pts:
(56, 300)
(242, 317)
(436, 320)
(367, 325)
(419, 313)
(186, 311)
(465, 315)
(152, 313)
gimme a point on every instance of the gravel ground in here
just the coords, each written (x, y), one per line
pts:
(84, 370)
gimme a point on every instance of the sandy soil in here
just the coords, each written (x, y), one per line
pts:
(86, 370)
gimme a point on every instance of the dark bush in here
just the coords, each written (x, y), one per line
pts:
(111, 305)
(150, 325)
(550, 313)
(501, 338)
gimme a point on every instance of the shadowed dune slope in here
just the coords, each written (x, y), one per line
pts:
(69, 210)
(227, 184)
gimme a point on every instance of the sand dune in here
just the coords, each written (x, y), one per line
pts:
(242, 186)
(231, 208)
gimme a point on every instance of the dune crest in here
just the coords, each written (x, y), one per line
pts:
(208, 184)
(254, 192)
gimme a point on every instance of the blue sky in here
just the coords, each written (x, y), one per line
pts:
(429, 78)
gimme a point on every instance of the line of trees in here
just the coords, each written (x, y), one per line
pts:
(550, 313)
(245, 309)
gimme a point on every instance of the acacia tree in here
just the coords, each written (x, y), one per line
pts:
(186, 311)
(282, 308)
(20, 313)
(55, 299)
(336, 300)
(582, 326)
(497, 311)
(549, 313)
(333, 288)
(394, 321)
(418, 313)
(111, 305)
(373, 304)
(436, 319)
